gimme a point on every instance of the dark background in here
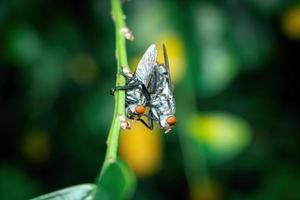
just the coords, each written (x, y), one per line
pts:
(233, 64)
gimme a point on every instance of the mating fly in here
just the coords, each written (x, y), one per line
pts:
(137, 96)
(151, 86)
(162, 101)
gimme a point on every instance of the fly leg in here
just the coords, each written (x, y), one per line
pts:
(150, 118)
(145, 92)
(131, 86)
(149, 126)
(130, 101)
(125, 87)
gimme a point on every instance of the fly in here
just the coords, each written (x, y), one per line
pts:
(162, 101)
(150, 86)
(137, 95)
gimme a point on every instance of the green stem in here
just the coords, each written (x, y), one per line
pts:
(119, 110)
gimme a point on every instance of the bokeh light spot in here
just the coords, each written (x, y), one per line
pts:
(291, 22)
(142, 149)
(221, 135)
(205, 190)
(220, 64)
(24, 45)
(36, 146)
(16, 184)
(176, 54)
(83, 69)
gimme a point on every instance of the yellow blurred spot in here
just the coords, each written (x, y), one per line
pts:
(224, 135)
(176, 54)
(134, 62)
(82, 69)
(204, 191)
(291, 22)
(36, 146)
(142, 149)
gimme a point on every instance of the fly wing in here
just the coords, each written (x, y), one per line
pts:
(146, 65)
(167, 67)
(171, 96)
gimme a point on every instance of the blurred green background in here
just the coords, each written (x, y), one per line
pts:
(233, 64)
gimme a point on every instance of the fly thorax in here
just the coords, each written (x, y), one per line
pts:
(135, 93)
(155, 101)
(164, 107)
(161, 69)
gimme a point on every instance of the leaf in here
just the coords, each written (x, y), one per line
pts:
(78, 192)
(117, 182)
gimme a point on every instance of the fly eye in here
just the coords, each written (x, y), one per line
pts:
(171, 120)
(140, 109)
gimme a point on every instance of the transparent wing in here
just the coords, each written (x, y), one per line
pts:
(167, 67)
(160, 80)
(146, 65)
(160, 86)
(169, 86)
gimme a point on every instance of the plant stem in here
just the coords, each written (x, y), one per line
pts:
(119, 110)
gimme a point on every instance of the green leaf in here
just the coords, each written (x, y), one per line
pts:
(117, 182)
(78, 192)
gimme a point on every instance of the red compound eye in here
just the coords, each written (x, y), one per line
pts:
(171, 120)
(140, 109)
